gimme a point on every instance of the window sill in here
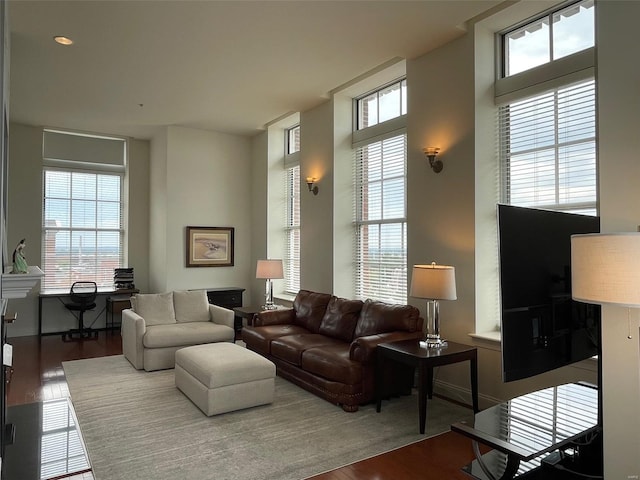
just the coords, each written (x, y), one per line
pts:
(493, 336)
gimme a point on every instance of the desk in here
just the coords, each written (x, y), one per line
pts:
(62, 294)
(116, 304)
(526, 428)
(409, 352)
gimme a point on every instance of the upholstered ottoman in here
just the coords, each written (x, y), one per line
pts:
(222, 377)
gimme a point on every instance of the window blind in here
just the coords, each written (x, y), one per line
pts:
(291, 263)
(380, 220)
(547, 149)
(83, 230)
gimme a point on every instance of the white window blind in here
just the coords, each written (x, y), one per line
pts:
(83, 230)
(548, 150)
(380, 220)
(291, 262)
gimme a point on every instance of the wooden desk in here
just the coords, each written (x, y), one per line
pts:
(62, 294)
(409, 352)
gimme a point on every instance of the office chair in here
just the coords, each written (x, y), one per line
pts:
(82, 297)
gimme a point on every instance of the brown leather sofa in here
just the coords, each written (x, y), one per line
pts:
(326, 344)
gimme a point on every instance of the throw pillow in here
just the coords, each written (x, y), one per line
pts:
(191, 306)
(156, 308)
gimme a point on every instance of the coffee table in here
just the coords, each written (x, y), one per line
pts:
(411, 353)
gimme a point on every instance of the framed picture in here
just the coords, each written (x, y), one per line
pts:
(209, 246)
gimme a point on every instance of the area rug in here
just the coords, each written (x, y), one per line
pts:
(136, 424)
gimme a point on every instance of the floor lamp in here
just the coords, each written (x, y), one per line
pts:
(435, 283)
(269, 270)
(605, 270)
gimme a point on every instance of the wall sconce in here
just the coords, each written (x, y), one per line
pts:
(431, 153)
(311, 184)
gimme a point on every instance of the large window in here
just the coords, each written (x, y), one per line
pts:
(291, 263)
(380, 203)
(83, 228)
(547, 135)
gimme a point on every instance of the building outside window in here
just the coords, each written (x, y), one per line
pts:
(547, 146)
(380, 226)
(83, 222)
(291, 262)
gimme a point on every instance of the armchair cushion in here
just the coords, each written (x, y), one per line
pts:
(155, 308)
(191, 306)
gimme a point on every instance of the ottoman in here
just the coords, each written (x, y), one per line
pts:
(223, 377)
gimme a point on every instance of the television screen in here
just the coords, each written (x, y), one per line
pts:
(542, 327)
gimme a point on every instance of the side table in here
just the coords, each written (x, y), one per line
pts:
(244, 313)
(409, 352)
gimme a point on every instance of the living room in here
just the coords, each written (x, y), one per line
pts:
(190, 176)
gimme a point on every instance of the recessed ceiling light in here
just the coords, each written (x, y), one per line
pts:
(62, 40)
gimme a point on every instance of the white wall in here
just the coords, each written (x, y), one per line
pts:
(202, 179)
(24, 220)
(316, 229)
(618, 96)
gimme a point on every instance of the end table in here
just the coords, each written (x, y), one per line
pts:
(409, 352)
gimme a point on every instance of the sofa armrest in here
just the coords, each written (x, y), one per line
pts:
(133, 330)
(363, 348)
(274, 317)
(221, 315)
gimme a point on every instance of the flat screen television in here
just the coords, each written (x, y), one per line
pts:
(542, 327)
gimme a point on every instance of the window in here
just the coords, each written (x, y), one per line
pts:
(550, 37)
(83, 228)
(382, 105)
(293, 140)
(291, 263)
(380, 203)
(547, 146)
(548, 158)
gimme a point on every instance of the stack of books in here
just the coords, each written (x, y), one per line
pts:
(123, 278)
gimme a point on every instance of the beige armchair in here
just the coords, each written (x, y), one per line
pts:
(159, 324)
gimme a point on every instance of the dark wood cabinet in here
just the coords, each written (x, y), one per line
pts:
(227, 297)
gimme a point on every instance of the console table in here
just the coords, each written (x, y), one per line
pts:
(411, 353)
(525, 429)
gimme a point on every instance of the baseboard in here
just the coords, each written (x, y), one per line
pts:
(463, 395)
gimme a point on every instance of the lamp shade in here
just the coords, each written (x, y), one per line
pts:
(435, 282)
(605, 268)
(269, 269)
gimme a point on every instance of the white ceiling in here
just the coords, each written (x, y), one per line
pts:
(231, 66)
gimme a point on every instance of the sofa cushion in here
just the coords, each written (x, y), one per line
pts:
(310, 308)
(259, 339)
(333, 363)
(340, 318)
(182, 334)
(290, 347)
(191, 306)
(155, 308)
(379, 317)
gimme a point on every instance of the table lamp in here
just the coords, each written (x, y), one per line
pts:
(435, 283)
(269, 269)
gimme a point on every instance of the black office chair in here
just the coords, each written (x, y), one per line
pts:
(82, 297)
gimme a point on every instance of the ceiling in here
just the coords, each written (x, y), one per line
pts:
(230, 66)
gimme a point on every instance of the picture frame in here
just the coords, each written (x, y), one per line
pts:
(210, 246)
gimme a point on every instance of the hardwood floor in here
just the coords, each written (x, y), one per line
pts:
(37, 364)
(38, 376)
